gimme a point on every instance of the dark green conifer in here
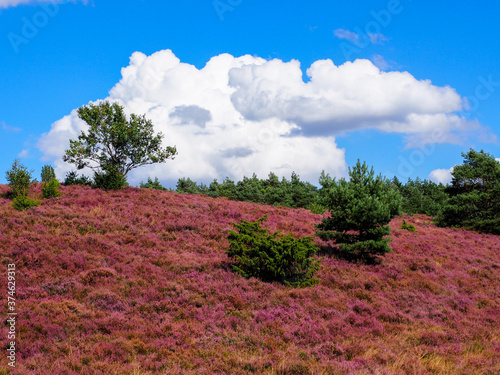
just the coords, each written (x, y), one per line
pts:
(474, 201)
(272, 257)
(360, 210)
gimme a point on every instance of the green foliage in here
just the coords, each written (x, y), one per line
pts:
(109, 179)
(360, 210)
(474, 201)
(302, 193)
(326, 183)
(408, 227)
(187, 186)
(50, 189)
(19, 179)
(48, 173)
(422, 197)
(72, 178)
(150, 184)
(225, 189)
(316, 208)
(250, 190)
(272, 257)
(272, 191)
(113, 143)
(23, 202)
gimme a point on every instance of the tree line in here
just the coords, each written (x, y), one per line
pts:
(113, 145)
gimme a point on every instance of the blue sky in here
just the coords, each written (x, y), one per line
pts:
(58, 57)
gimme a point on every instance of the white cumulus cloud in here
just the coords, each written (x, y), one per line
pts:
(193, 109)
(355, 95)
(240, 115)
(442, 176)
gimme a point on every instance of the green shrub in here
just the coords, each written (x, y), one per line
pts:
(152, 184)
(50, 189)
(408, 227)
(23, 202)
(109, 179)
(72, 178)
(316, 208)
(19, 179)
(272, 257)
(48, 173)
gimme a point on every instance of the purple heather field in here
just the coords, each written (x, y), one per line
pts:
(138, 282)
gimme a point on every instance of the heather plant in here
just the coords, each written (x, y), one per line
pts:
(23, 202)
(474, 201)
(272, 257)
(48, 173)
(50, 189)
(19, 179)
(360, 210)
(150, 184)
(135, 282)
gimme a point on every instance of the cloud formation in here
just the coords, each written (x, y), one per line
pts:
(441, 176)
(350, 36)
(357, 38)
(377, 38)
(240, 115)
(355, 95)
(13, 3)
(9, 129)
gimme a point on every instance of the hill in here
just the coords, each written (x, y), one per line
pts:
(138, 282)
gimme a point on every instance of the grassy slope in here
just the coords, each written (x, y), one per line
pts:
(137, 282)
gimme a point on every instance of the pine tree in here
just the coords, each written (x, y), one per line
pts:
(474, 201)
(360, 210)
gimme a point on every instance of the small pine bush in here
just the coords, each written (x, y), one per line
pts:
(272, 257)
(20, 179)
(72, 178)
(109, 179)
(408, 227)
(23, 202)
(152, 184)
(48, 173)
(50, 189)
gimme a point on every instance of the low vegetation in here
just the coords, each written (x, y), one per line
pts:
(138, 281)
(272, 257)
(123, 280)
